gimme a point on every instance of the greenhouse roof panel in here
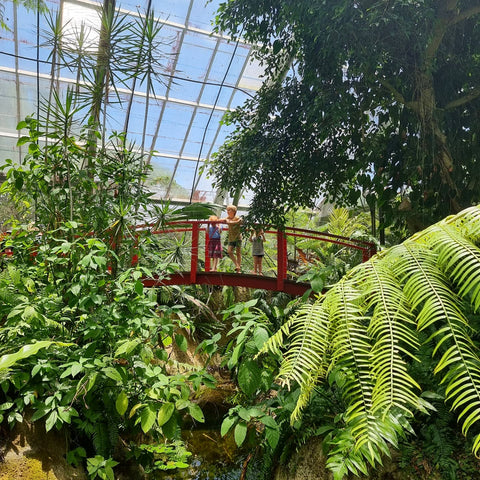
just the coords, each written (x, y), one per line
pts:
(202, 75)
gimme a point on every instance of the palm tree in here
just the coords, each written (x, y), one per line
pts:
(366, 331)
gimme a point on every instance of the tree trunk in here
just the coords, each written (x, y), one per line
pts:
(435, 141)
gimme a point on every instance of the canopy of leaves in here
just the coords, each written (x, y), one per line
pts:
(379, 99)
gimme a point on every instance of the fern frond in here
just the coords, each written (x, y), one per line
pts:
(101, 439)
(428, 286)
(392, 329)
(459, 259)
(306, 358)
(364, 327)
(467, 222)
(352, 352)
(277, 340)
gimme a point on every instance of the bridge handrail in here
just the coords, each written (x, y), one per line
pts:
(281, 283)
(196, 226)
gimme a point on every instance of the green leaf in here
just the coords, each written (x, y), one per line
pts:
(273, 436)
(170, 428)
(51, 420)
(240, 433)
(268, 421)
(317, 284)
(76, 368)
(227, 424)
(244, 413)
(121, 404)
(232, 362)
(182, 343)
(277, 46)
(260, 336)
(139, 287)
(112, 373)
(249, 377)
(182, 403)
(196, 412)
(165, 413)
(66, 414)
(26, 351)
(23, 140)
(127, 347)
(134, 409)
(147, 418)
(41, 412)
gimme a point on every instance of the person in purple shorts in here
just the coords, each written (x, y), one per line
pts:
(214, 242)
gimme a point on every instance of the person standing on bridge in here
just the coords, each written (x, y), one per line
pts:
(214, 242)
(234, 236)
(257, 238)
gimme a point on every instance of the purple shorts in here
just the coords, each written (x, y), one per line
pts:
(215, 248)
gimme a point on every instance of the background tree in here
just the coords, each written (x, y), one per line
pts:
(379, 99)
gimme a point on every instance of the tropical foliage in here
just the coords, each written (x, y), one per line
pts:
(365, 335)
(361, 98)
(83, 343)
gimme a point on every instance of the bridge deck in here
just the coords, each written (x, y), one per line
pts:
(231, 279)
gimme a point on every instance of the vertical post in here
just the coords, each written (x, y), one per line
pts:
(207, 258)
(135, 252)
(281, 260)
(194, 259)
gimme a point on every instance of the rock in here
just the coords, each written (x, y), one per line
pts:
(31, 453)
(307, 463)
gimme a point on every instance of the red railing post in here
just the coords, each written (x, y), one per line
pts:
(368, 253)
(281, 260)
(135, 252)
(194, 259)
(207, 258)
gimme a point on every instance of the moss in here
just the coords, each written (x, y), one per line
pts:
(25, 468)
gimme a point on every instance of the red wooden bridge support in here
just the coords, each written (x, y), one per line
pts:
(207, 258)
(194, 257)
(281, 260)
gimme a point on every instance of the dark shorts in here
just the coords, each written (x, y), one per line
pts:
(258, 256)
(215, 248)
(235, 243)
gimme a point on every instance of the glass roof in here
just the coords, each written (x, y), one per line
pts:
(202, 76)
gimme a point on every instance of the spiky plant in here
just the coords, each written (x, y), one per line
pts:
(364, 333)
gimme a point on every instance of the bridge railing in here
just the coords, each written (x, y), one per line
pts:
(198, 231)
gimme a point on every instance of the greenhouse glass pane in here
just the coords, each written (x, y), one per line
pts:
(199, 76)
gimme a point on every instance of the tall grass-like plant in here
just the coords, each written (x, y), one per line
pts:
(364, 333)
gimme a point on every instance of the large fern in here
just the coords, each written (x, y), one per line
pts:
(369, 326)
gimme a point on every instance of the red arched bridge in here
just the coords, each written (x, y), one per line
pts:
(195, 234)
